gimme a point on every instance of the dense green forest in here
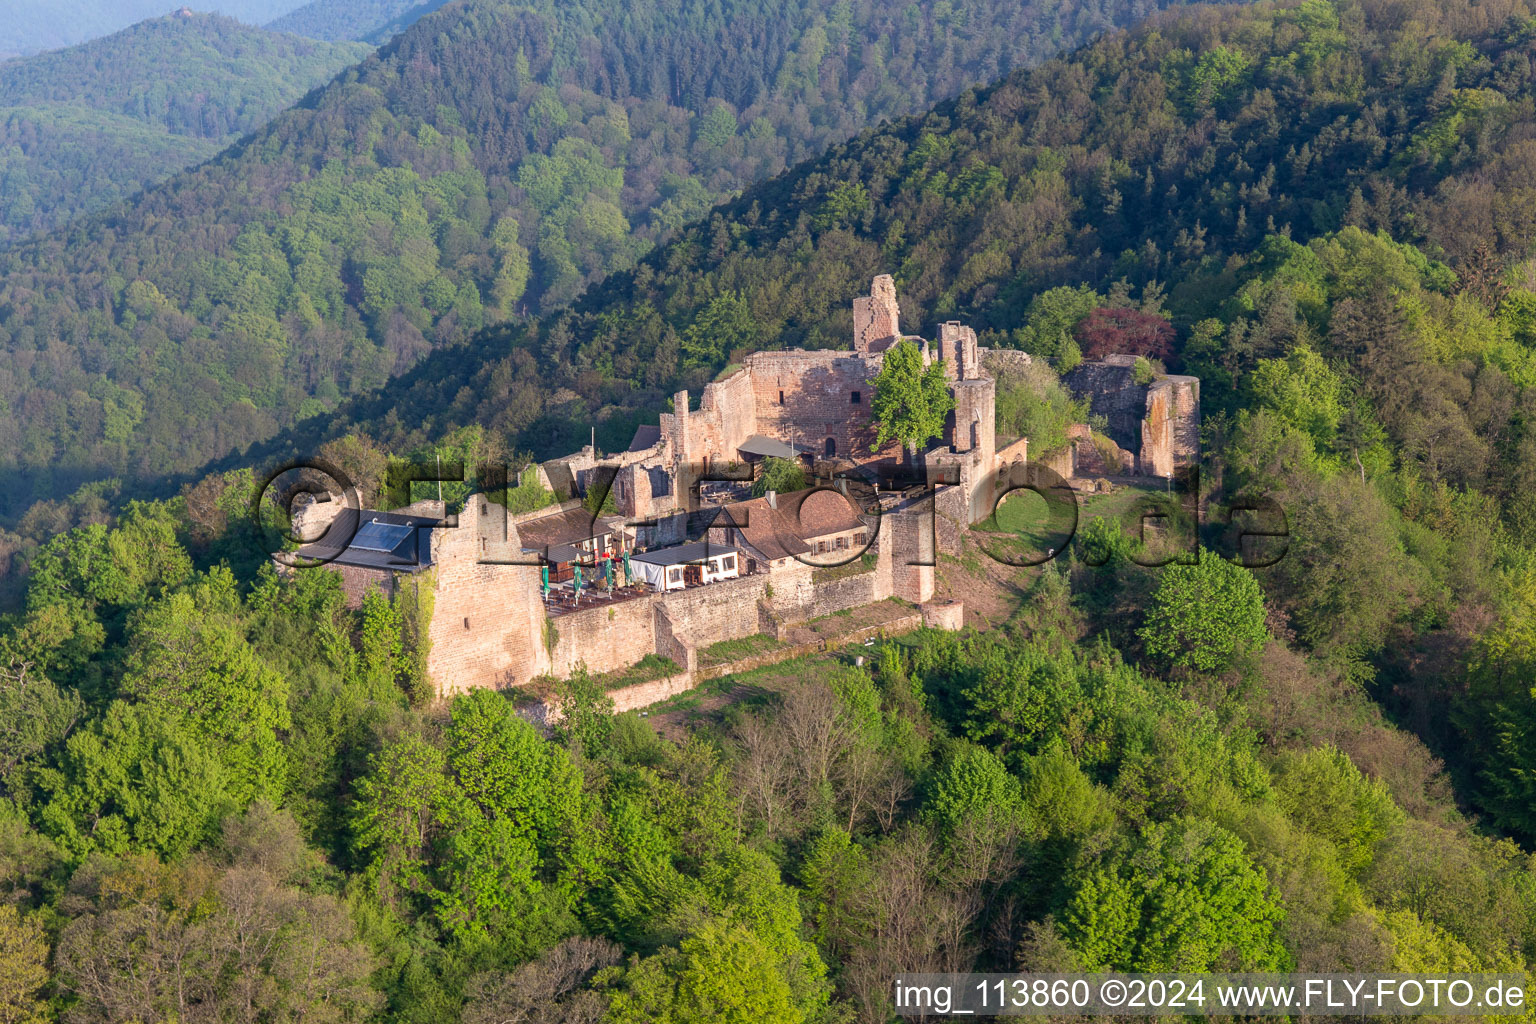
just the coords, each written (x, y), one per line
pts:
(221, 802)
(492, 160)
(1329, 203)
(228, 797)
(86, 127)
(373, 21)
(32, 27)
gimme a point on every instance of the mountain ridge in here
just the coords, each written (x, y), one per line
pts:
(428, 190)
(38, 28)
(373, 21)
(85, 127)
(966, 265)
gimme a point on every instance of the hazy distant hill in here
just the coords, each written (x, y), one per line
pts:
(85, 127)
(30, 26)
(374, 21)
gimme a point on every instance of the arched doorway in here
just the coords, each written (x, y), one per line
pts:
(831, 447)
(975, 434)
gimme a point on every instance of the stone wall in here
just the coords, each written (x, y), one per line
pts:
(804, 398)
(1014, 451)
(890, 627)
(952, 507)
(794, 396)
(569, 475)
(1158, 424)
(643, 695)
(1114, 394)
(727, 415)
(1062, 463)
(793, 590)
(847, 592)
(668, 643)
(356, 581)
(944, 615)
(912, 540)
(700, 616)
(1170, 437)
(976, 418)
(629, 698)
(487, 625)
(876, 317)
(604, 638)
(958, 351)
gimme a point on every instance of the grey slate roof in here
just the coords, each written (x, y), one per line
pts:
(646, 436)
(363, 538)
(696, 551)
(757, 444)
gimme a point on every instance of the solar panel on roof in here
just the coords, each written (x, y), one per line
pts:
(380, 536)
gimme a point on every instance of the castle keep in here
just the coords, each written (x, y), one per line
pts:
(688, 558)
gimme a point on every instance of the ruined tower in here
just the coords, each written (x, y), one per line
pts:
(876, 317)
(958, 350)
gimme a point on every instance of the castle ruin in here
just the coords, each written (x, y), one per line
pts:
(688, 558)
(1156, 425)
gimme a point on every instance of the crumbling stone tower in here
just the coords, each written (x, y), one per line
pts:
(876, 317)
(958, 350)
(1157, 424)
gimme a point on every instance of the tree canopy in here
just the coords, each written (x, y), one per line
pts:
(1205, 616)
(911, 400)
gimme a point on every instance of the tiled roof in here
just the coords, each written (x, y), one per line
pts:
(781, 532)
(569, 527)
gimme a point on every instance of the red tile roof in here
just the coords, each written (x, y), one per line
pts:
(799, 520)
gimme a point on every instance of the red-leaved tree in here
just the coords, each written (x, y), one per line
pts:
(1126, 331)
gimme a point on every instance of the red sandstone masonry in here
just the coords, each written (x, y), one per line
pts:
(356, 581)
(605, 637)
(641, 695)
(487, 620)
(488, 627)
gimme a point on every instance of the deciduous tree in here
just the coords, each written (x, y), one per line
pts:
(911, 400)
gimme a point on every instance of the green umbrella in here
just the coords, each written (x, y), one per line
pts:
(627, 578)
(608, 573)
(544, 578)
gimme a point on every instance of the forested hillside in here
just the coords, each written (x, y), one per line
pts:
(494, 159)
(1332, 204)
(225, 796)
(371, 20)
(86, 127)
(1169, 164)
(219, 805)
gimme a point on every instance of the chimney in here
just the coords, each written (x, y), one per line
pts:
(773, 499)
